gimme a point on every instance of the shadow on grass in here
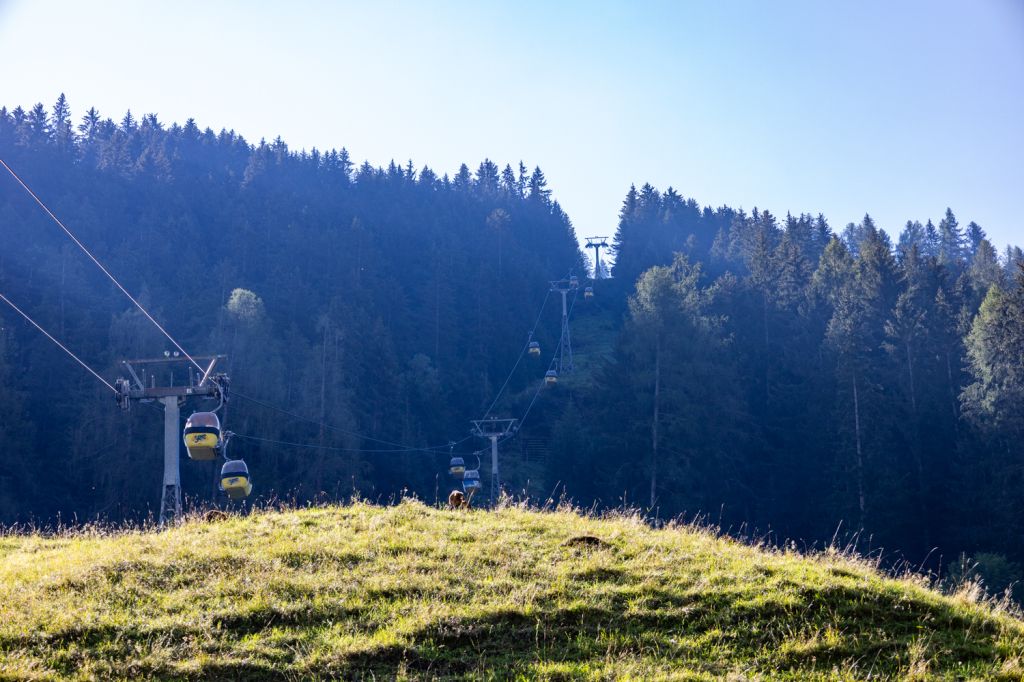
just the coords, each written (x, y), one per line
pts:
(880, 630)
(708, 631)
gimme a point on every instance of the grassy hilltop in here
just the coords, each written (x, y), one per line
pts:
(412, 592)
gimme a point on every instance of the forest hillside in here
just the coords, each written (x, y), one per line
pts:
(782, 376)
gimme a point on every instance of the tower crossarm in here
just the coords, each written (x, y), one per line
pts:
(488, 428)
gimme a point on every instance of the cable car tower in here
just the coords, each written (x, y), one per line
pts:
(563, 287)
(597, 243)
(494, 429)
(142, 387)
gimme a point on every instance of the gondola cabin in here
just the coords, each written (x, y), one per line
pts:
(471, 481)
(588, 293)
(202, 436)
(457, 467)
(534, 349)
(234, 479)
(574, 281)
(551, 377)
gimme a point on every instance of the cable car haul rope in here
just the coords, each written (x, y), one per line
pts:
(59, 344)
(98, 264)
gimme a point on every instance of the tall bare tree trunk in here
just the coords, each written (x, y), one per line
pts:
(764, 321)
(654, 422)
(319, 481)
(910, 370)
(922, 499)
(861, 504)
(952, 395)
(437, 314)
(63, 258)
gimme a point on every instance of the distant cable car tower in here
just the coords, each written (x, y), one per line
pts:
(563, 287)
(494, 429)
(597, 243)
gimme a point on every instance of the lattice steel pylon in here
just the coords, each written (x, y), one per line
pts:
(597, 243)
(563, 287)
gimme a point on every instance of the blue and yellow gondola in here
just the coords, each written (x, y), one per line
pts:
(203, 436)
(471, 482)
(234, 479)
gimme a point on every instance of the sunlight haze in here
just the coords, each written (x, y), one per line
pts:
(892, 109)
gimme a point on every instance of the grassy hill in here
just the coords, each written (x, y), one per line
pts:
(412, 592)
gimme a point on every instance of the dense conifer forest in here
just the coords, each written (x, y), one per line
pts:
(776, 374)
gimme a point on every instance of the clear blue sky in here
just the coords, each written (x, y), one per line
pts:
(893, 108)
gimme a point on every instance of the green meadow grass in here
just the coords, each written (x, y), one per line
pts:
(412, 592)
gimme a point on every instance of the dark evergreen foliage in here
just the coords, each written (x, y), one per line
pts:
(382, 301)
(846, 374)
(762, 370)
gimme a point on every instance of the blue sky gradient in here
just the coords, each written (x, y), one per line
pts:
(898, 109)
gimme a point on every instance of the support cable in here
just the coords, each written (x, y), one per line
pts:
(526, 347)
(100, 265)
(61, 345)
(540, 387)
(402, 447)
(329, 447)
(399, 447)
(522, 352)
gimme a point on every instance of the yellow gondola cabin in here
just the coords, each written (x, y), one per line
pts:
(234, 479)
(202, 436)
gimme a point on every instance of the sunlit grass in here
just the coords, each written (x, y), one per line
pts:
(414, 592)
